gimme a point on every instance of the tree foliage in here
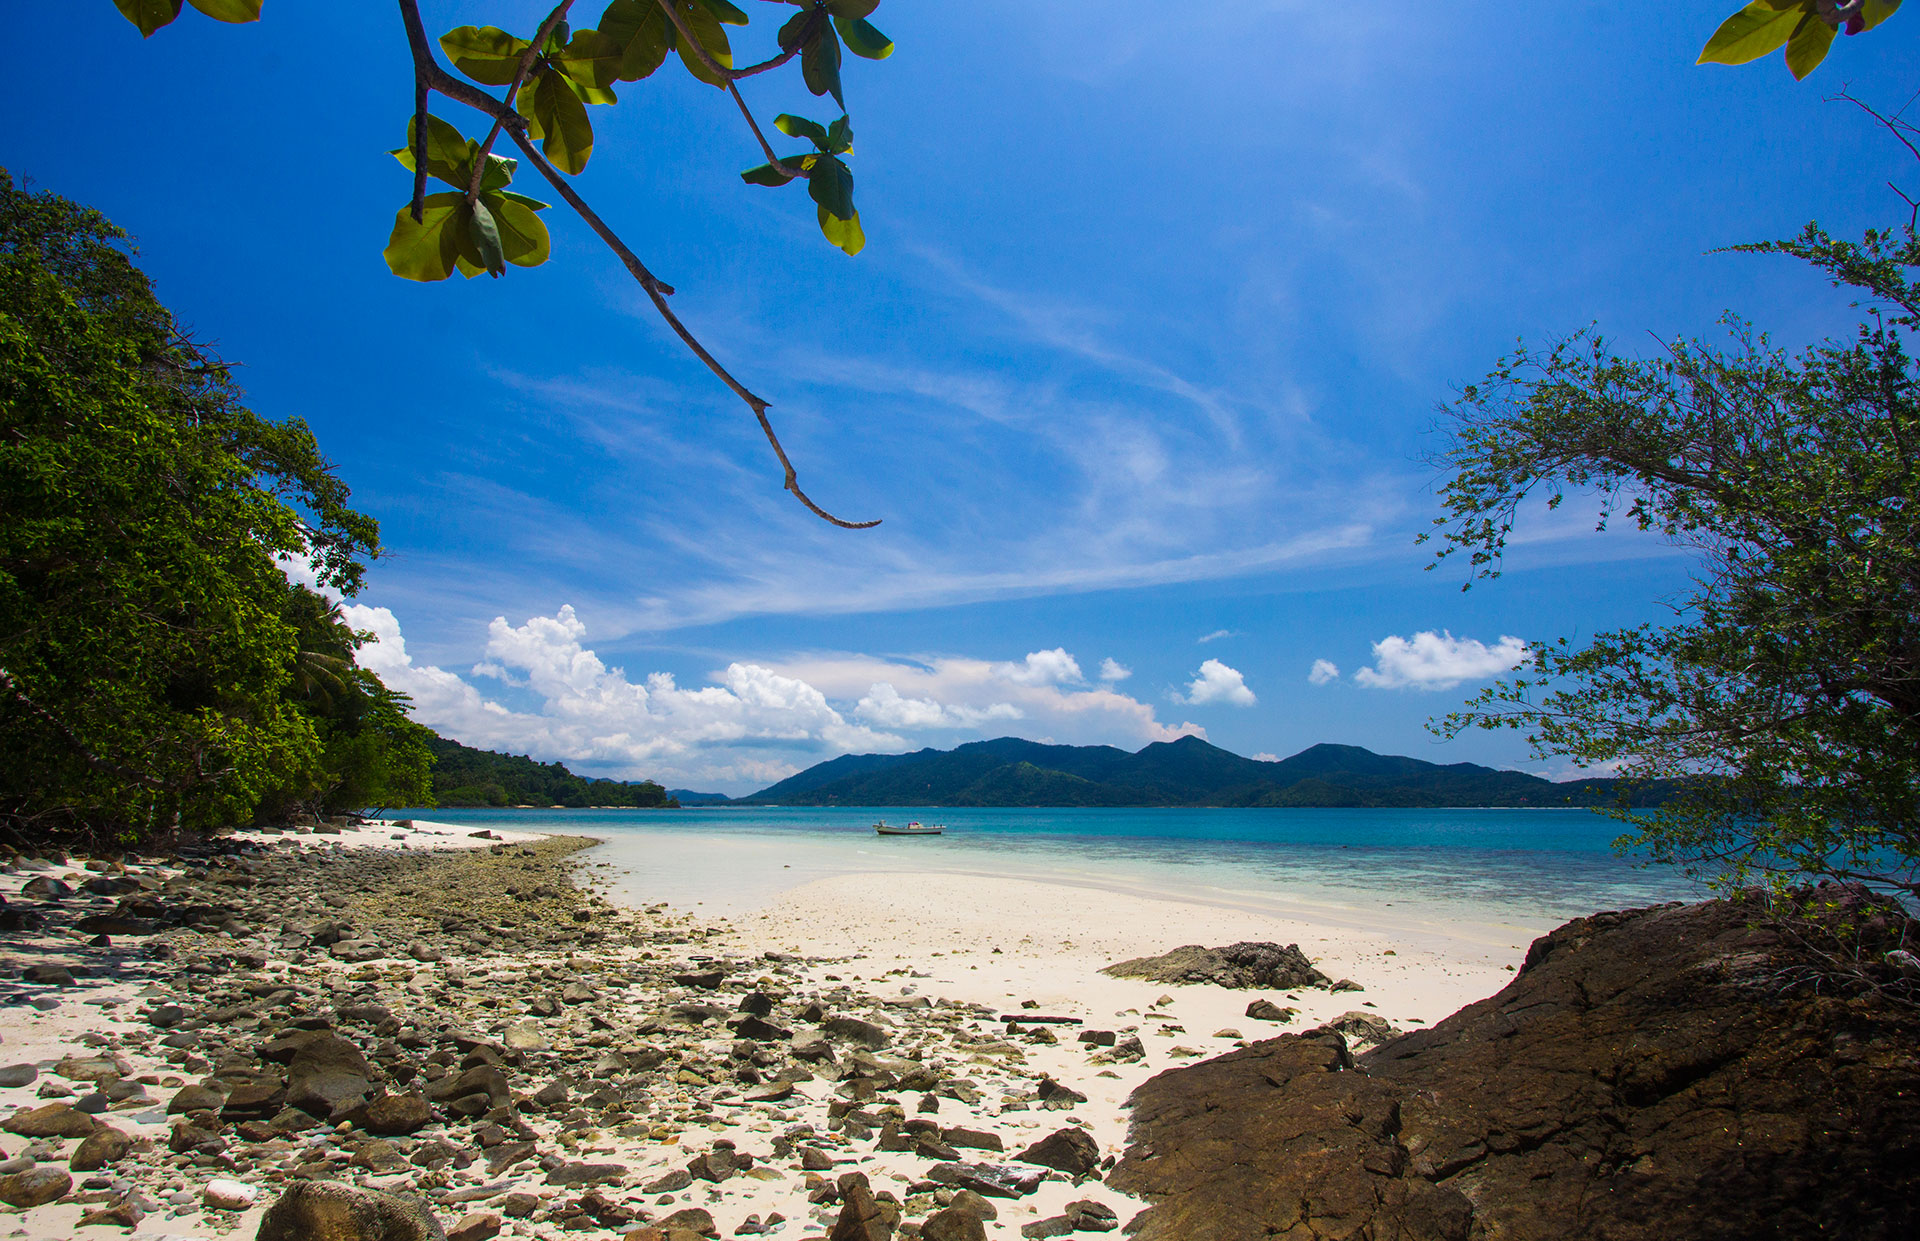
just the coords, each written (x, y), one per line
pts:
(1805, 28)
(1786, 694)
(547, 84)
(464, 776)
(156, 666)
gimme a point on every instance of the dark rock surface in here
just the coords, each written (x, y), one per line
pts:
(1268, 966)
(1646, 1076)
(326, 1211)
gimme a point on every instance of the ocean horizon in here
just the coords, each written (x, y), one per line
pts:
(1527, 865)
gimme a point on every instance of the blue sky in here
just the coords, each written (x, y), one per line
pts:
(1139, 365)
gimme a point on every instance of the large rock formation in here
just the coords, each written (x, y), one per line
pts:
(1657, 1073)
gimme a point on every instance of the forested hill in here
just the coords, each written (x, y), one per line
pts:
(464, 776)
(1187, 772)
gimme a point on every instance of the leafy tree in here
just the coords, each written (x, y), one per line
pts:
(1805, 28)
(146, 654)
(547, 83)
(1785, 696)
(371, 754)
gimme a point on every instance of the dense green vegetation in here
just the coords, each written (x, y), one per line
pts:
(1787, 690)
(463, 776)
(157, 668)
(1187, 772)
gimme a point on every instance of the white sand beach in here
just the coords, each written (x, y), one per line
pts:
(886, 940)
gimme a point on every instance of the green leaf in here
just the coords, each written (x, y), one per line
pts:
(843, 233)
(840, 137)
(449, 155)
(789, 36)
(531, 204)
(725, 13)
(229, 10)
(641, 30)
(767, 174)
(1873, 12)
(591, 61)
(523, 236)
(831, 185)
(800, 127)
(148, 15)
(862, 39)
(487, 54)
(1754, 31)
(1809, 45)
(712, 36)
(552, 107)
(820, 64)
(484, 236)
(428, 249)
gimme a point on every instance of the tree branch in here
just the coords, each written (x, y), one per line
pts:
(733, 75)
(754, 125)
(658, 293)
(520, 73)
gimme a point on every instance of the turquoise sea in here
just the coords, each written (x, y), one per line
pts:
(1536, 865)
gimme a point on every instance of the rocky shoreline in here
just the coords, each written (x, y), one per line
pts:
(483, 1030)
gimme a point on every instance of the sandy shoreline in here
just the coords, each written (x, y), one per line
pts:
(933, 959)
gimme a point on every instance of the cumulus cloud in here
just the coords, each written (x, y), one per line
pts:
(1431, 661)
(1054, 667)
(1113, 670)
(1266, 757)
(1044, 694)
(1324, 670)
(885, 706)
(1218, 683)
(752, 723)
(733, 730)
(1216, 635)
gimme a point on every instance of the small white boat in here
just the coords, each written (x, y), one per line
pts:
(916, 828)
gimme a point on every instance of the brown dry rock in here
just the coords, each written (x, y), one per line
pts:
(35, 1186)
(100, 1148)
(1268, 966)
(328, 1211)
(53, 1120)
(1645, 1076)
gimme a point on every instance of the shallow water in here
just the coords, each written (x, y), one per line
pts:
(1525, 864)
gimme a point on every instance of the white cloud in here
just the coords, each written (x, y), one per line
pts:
(1218, 683)
(752, 726)
(1041, 693)
(1266, 757)
(1430, 661)
(1112, 670)
(885, 706)
(754, 723)
(1054, 667)
(1324, 670)
(1216, 635)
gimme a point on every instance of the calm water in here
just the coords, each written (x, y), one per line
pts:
(1551, 864)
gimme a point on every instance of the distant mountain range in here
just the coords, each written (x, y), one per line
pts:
(1187, 772)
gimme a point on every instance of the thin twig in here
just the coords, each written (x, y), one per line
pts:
(772, 159)
(733, 75)
(427, 69)
(657, 291)
(420, 97)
